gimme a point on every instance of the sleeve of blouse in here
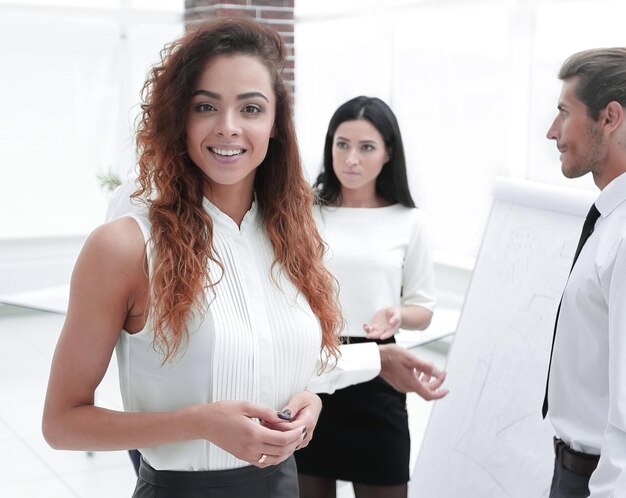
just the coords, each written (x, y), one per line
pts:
(418, 279)
(358, 363)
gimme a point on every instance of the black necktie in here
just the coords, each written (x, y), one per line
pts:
(588, 226)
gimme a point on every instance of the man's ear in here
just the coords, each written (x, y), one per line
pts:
(612, 116)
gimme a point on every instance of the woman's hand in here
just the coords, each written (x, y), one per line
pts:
(233, 426)
(384, 324)
(387, 321)
(302, 410)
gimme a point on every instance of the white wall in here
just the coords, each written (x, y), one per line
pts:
(473, 84)
(72, 72)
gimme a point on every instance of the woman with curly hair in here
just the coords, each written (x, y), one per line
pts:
(215, 298)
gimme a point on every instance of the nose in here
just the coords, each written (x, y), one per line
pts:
(352, 159)
(228, 124)
(552, 131)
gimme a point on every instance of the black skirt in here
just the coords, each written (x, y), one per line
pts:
(362, 435)
(278, 481)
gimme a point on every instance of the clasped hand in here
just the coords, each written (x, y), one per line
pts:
(234, 427)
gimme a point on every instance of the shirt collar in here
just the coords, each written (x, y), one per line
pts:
(224, 223)
(612, 196)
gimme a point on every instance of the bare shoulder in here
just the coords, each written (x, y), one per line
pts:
(114, 256)
(118, 242)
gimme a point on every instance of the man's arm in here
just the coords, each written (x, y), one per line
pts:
(398, 366)
(407, 373)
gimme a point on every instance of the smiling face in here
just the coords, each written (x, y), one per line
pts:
(230, 122)
(359, 154)
(578, 137)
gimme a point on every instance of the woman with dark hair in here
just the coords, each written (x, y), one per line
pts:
(215, 298)
(380, 253)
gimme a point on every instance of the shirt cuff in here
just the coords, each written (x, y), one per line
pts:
(358, 363)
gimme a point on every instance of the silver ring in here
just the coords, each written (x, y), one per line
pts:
(262, 459)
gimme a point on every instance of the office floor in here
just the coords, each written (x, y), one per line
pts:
(29, 468)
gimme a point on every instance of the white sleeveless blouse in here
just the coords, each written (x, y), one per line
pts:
(257, 341)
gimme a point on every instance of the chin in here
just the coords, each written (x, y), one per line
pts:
(567, 173)
(573, 173)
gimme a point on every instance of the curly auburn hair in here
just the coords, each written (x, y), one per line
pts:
(182, 232)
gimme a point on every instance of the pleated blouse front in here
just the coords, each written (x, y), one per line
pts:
(257, 340)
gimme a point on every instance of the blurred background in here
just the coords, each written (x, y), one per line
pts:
(472, 82)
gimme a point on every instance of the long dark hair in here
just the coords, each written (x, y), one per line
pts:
(391, 183)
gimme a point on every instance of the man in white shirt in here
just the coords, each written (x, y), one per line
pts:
(586, 392)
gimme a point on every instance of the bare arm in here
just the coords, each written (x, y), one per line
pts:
(108, 292)
(415, 317)
(104, 286)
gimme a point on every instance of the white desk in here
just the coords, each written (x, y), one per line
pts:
(53, 299)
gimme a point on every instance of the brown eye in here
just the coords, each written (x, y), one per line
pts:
(204, 107)
(252, 109)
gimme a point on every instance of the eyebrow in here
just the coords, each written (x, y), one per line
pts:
(368, 141)
(241, 96)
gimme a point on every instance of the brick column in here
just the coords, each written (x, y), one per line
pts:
(277, 13)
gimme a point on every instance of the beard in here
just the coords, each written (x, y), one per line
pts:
(593, 159)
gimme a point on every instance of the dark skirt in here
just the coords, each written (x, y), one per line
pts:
(362, 435)
(278, 481)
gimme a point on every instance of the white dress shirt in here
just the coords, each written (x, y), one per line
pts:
(587, 389)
